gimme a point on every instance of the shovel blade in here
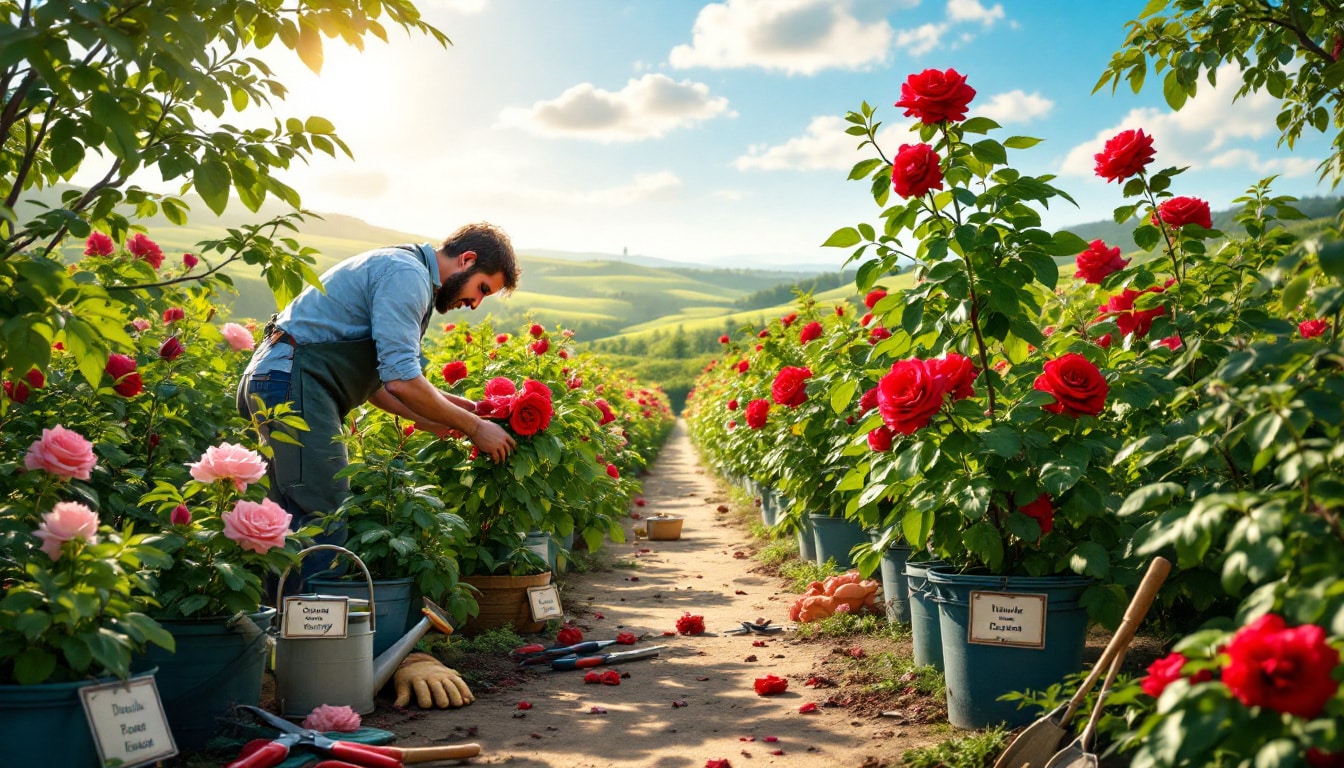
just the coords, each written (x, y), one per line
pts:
(1073, 756)
(1036, 744)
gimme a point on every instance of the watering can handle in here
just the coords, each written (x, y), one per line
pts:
(280, 588)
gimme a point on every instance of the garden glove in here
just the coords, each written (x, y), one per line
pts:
(435, 685)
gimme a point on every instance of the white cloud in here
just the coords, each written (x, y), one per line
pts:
(825, 146)
(1016, 107)
(663, 185)
(971, 11)
(1210, 126)
(644, 109)
(730, 195)
(795, 36)
(1282, 166)
(928, 37)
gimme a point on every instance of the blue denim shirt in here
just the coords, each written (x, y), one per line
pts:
(383, 294)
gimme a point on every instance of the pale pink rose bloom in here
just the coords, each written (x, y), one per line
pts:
(257, 527)
(62, 452)
(326, 718)
(67, 521)
(227, 461)
(238, 337)
(141, 324)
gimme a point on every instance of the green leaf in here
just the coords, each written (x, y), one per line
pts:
(212, 184)
(1001, 440)
(309, 45)
(1150, 497)
(989, 151)
(983, 541)
(1294, 292)
(1021, 142)
(841, 394)
(1090, 559)
(864, 167)
(1173, 91)
(319, 125)
(845, 237)
(1331, 257)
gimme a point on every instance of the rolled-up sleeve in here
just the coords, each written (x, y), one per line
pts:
(401, 296)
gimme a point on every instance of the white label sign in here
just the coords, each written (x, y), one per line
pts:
(127, 721)
(309, 617)
(999, 618)
(545, 603)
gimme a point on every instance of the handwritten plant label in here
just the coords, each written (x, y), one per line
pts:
(127, 721)
(545, 603)
(1000, 618)
(312, 617)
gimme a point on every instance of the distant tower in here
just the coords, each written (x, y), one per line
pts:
(625, 253)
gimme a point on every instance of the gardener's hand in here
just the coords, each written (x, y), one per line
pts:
(434, 684)
(492, 440)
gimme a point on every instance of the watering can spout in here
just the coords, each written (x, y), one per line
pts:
(387, 662)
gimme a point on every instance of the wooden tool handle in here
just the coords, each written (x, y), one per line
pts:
(1090, 731)
(446, 752)
(1134, 614)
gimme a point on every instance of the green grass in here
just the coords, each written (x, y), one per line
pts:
(974, 750)
(800, 573)
(853, 624)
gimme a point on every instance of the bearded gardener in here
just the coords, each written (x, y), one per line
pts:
(359, 341)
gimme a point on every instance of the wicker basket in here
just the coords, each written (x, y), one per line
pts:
(503, 601)
(663, 527)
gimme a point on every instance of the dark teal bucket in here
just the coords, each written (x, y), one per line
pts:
(769, 507)
(835, 537)
(926, 635)
(47, 724)
(217, 665)
(391, 604)
(978, 674)
(895, 590)
(807, 542)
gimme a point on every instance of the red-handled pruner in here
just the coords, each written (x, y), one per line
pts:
(291, 735)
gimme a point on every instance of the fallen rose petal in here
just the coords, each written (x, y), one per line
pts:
(679, 704)
(634, 515)
(524, 705)
(752, 657)
(770, 739)
(718, 764)
(808, 707)
(627, 638)
(644, 549)
(758, 644)
(739, 592)
(702, 679)
(591, 677)
(611, 677)
(598, 615)
(746, 738)
(722, 508)
(597, 711)
(814, 681)
(740, 555)
(777, 752)
(669, 634)
(634, 578)
(770, 685)
(856, 652)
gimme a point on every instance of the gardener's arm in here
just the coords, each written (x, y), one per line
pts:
(427, 404)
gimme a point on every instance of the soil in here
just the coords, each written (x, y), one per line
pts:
(694, 701)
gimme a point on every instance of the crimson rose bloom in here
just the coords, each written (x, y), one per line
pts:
(1286, 670)
(724, 339)
(874, 296)
(957, 373)
(732, 405)
(878, 333)
(770, 685)
(809, 332)
(909, 395)
(532, 409)
(1124, 155)
(1166, 671)
(757, 412)
(569, 636)
(1128, 319)
(122, 370)
(540, 346)
(743, 366)
(537, 332)
(613, 472)
(1310, 329)
(189, 261)
(1179, 211)
(934, 96)
(98, 244)
(788, 319)
(1078, 387)
(1041, 511)
(145, 249)
(454, 372)
(880, 439)
(790, 386)
(915, 170)
(605, 409)
(173, 314)
(690, 624)
(171, 349)
(868, 400)
(1098, 261)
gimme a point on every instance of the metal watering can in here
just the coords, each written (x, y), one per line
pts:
(341, 671)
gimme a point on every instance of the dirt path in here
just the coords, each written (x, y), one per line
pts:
(707, 573)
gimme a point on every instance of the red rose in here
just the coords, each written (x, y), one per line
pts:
(866, 319)
(1128, 319)
(180, 515)
(770, 685)
(172, 315)
(878, 334)
(1286, 670)
(880, 439)
(122, 370)
(810, 332)
(689, 624)
(16, 391)
(145, 249)
(1310, 329)
(531, 411)
(569, 636)
(613, 472)
(909, 395)
(957, 373)
(723, 339)
(1166, 671)
(171, 349)
(790, 386)
(764, 334)
(934, 96)
(540, 346)
(1041, 511)
(99, 244)
(1171, 342)
(1078, 387)
(874, 296)
(626, 638)
(788, 319)
(189, 261)
(1124, 155)
(757, 412)
(915, 170)
(500, 387)
(732, 424)
(536, 330)
(743, 366)
(454, 372)
(1098, 261)
(1316, 757)
(605, 409)
(1179, 211)
(868, 400)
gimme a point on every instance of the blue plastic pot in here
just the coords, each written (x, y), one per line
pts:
(769, 507)
(48, 725)
(835, 537)
(978, 674)
(926, 634)
(895, 590)
(807, 542)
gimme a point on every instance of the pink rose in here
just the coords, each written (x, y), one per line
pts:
(173, 314)
(140, 324)
(257, 527)
(180, 515)
(227, 461)
(189, 261)
(67, 521)
(145, 249)
(238, 337)
(62, 452)
(327, 719)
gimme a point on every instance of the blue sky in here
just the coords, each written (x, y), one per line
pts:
(712, 132)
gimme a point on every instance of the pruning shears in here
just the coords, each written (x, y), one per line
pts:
(584, 662)
(265, 754)
(533, 655)
(752, 627)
